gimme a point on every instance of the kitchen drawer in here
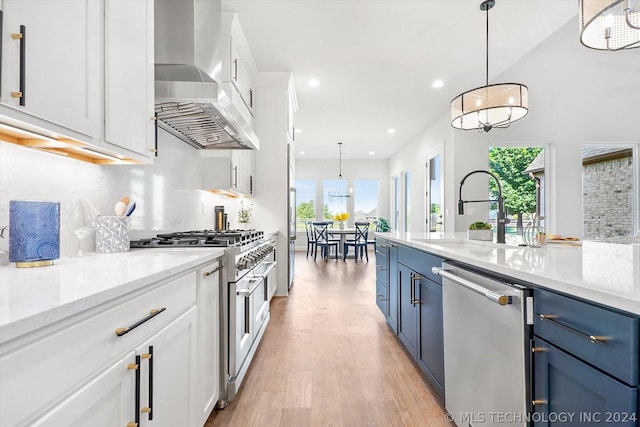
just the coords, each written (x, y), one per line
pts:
(420, 262)
(37, 375)
(571, 325)
(382, 247)
(382, 271)
(382, 297)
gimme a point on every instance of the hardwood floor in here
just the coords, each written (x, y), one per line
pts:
(328, 358)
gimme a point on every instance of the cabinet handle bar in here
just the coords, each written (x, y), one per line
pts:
(209, 273)
(594, 339)
(123, 331)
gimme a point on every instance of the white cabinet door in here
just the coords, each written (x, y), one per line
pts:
(106, 401)
(167, 392)
(236, 66)
(62, 61)
(129, 75)
(208, 341)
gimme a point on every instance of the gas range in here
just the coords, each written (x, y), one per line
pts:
(244, 249)
(242, 239)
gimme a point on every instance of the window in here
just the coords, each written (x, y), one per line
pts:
(395, 215)
(407, 201)
(305, 202)
(365, 200)
(434, 189)
(609, 191)
(521, 171)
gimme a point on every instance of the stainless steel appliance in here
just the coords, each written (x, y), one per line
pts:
(487, 327)
(246, 275)
(189, 103)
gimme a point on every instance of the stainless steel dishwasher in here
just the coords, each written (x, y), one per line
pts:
(486, 337)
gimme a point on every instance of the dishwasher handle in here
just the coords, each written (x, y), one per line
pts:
(489, 294)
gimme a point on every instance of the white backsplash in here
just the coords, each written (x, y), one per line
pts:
(167, 193)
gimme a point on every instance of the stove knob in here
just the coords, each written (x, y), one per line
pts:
(242, 263)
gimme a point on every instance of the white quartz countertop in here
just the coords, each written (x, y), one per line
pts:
(31, 298)
(604, 273)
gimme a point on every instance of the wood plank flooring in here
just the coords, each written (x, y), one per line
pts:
(328, 358)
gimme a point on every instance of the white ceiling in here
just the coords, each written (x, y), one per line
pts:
(376, 60)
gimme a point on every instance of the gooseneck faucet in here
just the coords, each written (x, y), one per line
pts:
(502, 217)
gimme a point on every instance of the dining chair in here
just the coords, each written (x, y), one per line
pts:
(321, 232)
(311, 238)
(359, 242)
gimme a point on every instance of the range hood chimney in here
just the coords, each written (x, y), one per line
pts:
(188, 101)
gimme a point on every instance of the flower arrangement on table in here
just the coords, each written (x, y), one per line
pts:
(244, 214)
(341, 218)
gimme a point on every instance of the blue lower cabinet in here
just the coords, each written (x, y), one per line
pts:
(431, 348)
(568, 392)
(420, 323)
(408, 312)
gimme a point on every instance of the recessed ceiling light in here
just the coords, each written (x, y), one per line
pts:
(313, 82)
(372, 153)
(302, 153)
(437, 84)
(391, 131)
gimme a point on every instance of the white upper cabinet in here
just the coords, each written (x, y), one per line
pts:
(81, 70)
(238, 66)
(51, 61)
(129, 84)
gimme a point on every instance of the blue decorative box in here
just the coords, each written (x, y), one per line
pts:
(34, 232)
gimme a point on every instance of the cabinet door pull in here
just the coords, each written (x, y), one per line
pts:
(149, 409)
(235, 177)
(250, 98)
(381, 297)
(250, 184)
(594, 339)
(414, 278)
(22, 36)
(235, 70)
(381, 267)
(136, 366)
(122, 331)
(209, 273)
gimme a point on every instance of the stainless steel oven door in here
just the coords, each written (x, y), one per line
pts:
(261, 295)
(241, 319)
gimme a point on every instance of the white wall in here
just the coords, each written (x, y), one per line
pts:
(167, 194)
(576, 96)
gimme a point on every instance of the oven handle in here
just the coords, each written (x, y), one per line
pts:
(270, 267)
(248, 292)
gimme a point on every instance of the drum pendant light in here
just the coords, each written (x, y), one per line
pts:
(489, 106)
(610, 24)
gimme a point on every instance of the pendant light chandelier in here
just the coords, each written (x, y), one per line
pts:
(340, 190)
(610, 24)
(489, 106)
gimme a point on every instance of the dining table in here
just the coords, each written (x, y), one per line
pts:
(343, 233)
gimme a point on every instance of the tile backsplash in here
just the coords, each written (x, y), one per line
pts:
(166, 193)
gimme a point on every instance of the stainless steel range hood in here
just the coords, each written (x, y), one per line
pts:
(188, 101)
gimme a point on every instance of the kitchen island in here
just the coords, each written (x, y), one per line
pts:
(570, 345)
(603, 273)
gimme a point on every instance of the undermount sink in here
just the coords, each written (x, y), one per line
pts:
(466, 243)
